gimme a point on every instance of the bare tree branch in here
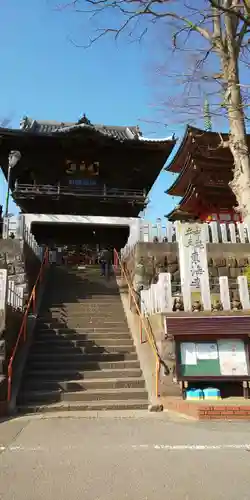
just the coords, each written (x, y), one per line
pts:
(217, 34)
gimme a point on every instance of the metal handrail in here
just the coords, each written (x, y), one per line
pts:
(23, 328)
(143, 324)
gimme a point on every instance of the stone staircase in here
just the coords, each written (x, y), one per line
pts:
(82, 356)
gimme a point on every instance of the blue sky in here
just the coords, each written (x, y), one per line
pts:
(45, 76)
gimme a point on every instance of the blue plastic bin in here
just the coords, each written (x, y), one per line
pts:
(211, 393)
(194, 394)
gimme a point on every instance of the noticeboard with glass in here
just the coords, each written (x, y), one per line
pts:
(220, 358)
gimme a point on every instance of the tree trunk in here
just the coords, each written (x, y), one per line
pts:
(240, 184)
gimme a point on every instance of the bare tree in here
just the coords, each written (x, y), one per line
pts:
(216, 29)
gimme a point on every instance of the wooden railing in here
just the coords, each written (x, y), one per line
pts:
(22, 335)
(78, 190)
(143, 321)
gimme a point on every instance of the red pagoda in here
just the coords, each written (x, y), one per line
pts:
(205, 170)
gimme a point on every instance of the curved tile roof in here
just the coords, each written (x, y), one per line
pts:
(120, 133)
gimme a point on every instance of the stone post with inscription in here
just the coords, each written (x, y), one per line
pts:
(165, 292)
(193, 265)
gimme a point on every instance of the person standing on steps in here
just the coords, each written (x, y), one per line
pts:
(105, 262)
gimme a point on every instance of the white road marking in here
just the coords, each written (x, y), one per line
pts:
(191, 447)
(137, 447)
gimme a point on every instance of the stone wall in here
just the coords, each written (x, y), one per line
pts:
(148, 259)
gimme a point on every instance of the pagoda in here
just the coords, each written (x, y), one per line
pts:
(204, 171)
(81, 168)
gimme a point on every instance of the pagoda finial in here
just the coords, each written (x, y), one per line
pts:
(207, 116)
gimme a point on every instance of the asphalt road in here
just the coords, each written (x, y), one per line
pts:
(139, 457)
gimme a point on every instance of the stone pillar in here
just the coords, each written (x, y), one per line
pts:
(224, 293)
(214, 231)
(232, 232)
(165, 292)
(243, 292)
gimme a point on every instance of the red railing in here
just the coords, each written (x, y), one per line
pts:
(22, 335)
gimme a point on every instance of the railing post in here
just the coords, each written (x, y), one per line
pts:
(25, 326)
(129, 299)
(115, 260)
(141, 339)
(157, 378)
(34, 300)
(9, 381)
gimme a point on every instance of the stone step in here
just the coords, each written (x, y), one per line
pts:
(69, 374)
(82, 365)
(68, 357)
(80, 293)
(84, 312)
(83, 356)
(79, 305)
(84, 309)
(116, 306)
(84, 406)
(69, 349)
(82, 323)
(111, 330)
(112, 337)
(88, 395)
(33, 384)
(85, 317)
(70, 341)
(82, 302)
(64, 295)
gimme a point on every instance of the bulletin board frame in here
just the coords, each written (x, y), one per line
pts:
(207, 369)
